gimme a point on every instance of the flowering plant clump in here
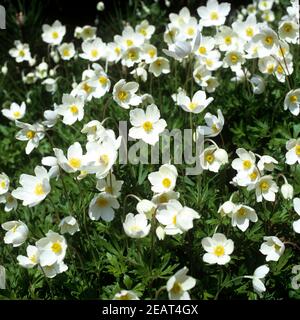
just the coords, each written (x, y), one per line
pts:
(155, 159)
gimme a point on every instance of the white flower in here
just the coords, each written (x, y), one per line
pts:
(52, 249)
(159, 66)
(241, 216)
(136, 226)
(266, 42)
(165, 197)
(246, 29)
(214, 125)
(21, 52)
(164, 179)
(53, 34)
(227, 208)
(32, 258)
(266, 163)
(73, 162)
(266, 188)
(293, 154)
(93, 50)
(68, 225)
(2, 277)
(179, 284)
(52, 270)
(50, 86)
(176, 218)
(34, 188)
(102, 206)
(129, 38)
(98, 82)
(258, 277)
(72, 109)
(53, 164)
(147, 125)
(296, 224)
(94, 130)
(100, 157)
(289, 31)
(33, 133)
(258, 84)
(145, 29)
(292, 102)
(10, 202)
(110, 185)
(212, 158)
(4, 183)
(16, 234)
(85, 33)
(218, 249)
(214, 14)
(245, 162)
(287, 191)
(100, 6)
(147, 208)
(195, 105)
(273, 248)
(233, 59)
(126, 295)
(124, 94)
(15, 112)
(66, 51)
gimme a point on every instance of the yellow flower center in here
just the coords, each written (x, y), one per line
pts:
(103, 80)
(176, 288)
(75, 162)
(158, 62)
(270, 68)
(54, 35)
(241, 212)
(234, 58)
(151, 53)
(253, 175)
(210, 158)
(14, 229)
(30, 134)
(117, 50)
(214, 15)
(122, 95)
(125, 297)
(143, 32)
(249, 32)
(163, 198)
(293, 99)
(129, 42)
(66, 52)
(166, 182)
(279, 69)
(16, 114)
(287, 28)
(132, 54)
(109, 189)
(74, 109)
(209, 62)
(56, 247)
(202, 50)
(277, 247)
(219, 251)
(247, 164)
(190, 31)
(104, 159)
(86, 88)
(297, 150)
(214, 128)
(3, 184)
(147, 126)
(39, 190)
(192, 105)
(102, 202)
(269, 40)
(228, 40)
(264, 186)
(33, 258)
(22, 53)
(94, 53)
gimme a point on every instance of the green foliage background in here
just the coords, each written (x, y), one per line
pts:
(101, 258)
